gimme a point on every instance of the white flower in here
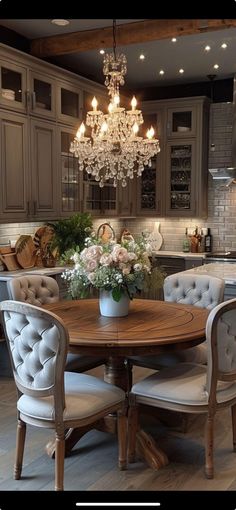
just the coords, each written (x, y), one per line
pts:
(137, 267)
(106, 259)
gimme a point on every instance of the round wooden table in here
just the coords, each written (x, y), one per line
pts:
(152, 327)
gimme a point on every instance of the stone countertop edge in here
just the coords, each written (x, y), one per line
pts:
(45, 271)
(181, 254)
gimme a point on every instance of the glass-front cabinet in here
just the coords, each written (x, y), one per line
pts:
(69, 103)
(180, 178)
(149, 199)
(13, 85)
(181, 122)
(98, 200)
(70, 178)
(43, 97)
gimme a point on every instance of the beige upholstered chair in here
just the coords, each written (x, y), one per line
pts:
(191, 289)
(194, 388)
(38, 290)
(48, 396)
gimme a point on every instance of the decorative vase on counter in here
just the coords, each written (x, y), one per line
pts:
(111, 308)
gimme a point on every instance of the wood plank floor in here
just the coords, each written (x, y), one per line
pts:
(93, 464)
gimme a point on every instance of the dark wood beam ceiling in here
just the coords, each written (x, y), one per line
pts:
(129, 33)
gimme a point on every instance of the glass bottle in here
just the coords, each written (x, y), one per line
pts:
(208, 241)
(186, 242)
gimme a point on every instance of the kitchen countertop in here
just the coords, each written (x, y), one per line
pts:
(182, 254)
(46, 271)
(225, 270)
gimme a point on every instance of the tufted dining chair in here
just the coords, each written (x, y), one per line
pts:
(195, 388)
(38, 290)
(47, 396)
(204, 291)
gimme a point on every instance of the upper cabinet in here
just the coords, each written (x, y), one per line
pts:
(13, 85)
(30, 86)
(182, 164)
(181, 121)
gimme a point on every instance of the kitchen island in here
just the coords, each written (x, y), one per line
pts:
(224, 270)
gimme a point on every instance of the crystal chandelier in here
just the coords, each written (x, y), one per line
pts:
(114, 151)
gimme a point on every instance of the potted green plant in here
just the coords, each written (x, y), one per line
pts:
(70, 234)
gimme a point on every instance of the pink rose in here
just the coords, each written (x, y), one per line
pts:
(120, 254)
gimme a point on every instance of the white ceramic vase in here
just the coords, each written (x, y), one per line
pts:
(111, 308)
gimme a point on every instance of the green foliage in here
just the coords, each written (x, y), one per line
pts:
(154, 280)
(66, 257)
(70, 233)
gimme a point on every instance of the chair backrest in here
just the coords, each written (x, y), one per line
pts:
(34, 289)
(221, 347)
(37, 341)
(194, 289)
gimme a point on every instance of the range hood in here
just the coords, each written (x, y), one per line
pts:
(226, 175)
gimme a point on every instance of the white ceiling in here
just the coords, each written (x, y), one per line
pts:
(187, 53)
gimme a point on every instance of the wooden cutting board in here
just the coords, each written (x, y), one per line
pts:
(8, 257)
(25, 251)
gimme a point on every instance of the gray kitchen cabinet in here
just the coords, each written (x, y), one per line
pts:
(28, 168)
(44, 191)
(127, 199)
(14, 167)
(38, 101)
(69, 103)
(183, 160)
(149, 199)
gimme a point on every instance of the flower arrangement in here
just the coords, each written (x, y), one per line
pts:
(119, 268)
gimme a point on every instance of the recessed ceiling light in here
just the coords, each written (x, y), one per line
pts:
(60, 22)
(102, 52)
(161, 71)
(142, 56)
(181, 71)
(207, 48)
(173, 39)
(216, 66)
(224, 46)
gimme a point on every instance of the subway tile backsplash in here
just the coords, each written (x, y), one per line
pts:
(221, 201)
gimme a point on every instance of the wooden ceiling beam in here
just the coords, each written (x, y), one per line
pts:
(129, 33)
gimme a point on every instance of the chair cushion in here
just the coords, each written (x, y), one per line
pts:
(182, 384)
(81, 363)
(85, 396)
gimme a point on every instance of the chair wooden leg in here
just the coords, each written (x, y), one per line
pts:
(59, 462)
(132, 432)
(209, 447)
(122, 439)
(20, 444)
(233, 415)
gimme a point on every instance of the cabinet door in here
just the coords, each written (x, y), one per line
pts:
(149, 199)
(70, 177)
(14, 167)
(43, 100)
(99, 201)
(44, 169)
(181, 173)
(181, 121)
(127, 199)
(13, 86)
(69, 103)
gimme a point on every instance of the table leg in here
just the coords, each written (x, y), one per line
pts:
(147, 449)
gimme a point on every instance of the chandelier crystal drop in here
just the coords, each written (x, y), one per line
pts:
(114, 151)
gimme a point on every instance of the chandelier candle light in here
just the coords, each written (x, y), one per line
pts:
(114, 151)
